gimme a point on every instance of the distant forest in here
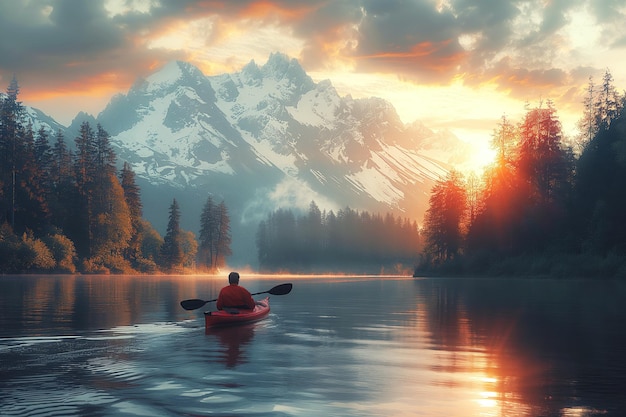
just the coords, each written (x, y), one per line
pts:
(542, 209)
(328, 242)
(66, 210)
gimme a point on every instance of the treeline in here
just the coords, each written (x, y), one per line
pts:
(325, 241)
(540, 209)
(65, 210)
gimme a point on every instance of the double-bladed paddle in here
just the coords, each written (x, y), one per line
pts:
(195, 303)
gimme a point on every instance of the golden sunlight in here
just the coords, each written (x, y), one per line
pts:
(483, 156)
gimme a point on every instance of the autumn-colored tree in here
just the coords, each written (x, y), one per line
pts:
(111, 225)
(189, 246)
(132, 196)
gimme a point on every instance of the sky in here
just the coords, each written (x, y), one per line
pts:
(459, 65)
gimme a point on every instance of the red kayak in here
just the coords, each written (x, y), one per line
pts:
(234, 316)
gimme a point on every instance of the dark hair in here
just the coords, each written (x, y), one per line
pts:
(233, 278)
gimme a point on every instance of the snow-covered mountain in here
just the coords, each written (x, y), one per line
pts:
(264, 138)
(38, 119)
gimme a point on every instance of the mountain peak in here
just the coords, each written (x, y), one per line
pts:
(251, 73)
(267, 137)
(171, 74)
(279, 66)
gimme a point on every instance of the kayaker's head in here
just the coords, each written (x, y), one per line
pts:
(233, 278)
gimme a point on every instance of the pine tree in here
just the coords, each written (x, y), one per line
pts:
(62, 183)
(223, 239)
(215, 236)
(608, 104)
(81, 204)
(42, 171)
(61, 169)
(30, 187)
(172, 252)
(208, 234)
(133, 201)
(445, 217)
(542, 162)
(43, 153)
(503, 141)
(10, 148)
(587, 125)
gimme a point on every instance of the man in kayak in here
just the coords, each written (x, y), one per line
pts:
(234, 296)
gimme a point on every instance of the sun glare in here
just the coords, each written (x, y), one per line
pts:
(482, 158)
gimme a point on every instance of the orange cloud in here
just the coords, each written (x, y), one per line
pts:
(426, 61)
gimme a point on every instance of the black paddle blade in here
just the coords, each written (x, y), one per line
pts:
(281, 289)
(192, 304)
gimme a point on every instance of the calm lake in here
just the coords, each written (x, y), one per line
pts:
(334, 346)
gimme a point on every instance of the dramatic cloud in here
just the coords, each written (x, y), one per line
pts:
(522, 47)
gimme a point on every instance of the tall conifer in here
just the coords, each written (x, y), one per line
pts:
(172, 252)
(133, 201)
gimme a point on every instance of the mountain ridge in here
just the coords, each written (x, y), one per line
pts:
(267, 137)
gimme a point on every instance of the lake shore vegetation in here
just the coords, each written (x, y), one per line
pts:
(542, 209)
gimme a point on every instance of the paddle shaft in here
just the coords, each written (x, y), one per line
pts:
(256, 293)
(195, 303)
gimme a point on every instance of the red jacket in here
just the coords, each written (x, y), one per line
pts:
(235, 296)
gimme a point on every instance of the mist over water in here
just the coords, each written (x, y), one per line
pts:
(337, 346)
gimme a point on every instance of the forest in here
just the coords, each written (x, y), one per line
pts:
(68, 210)
(543, 208)
(328, 242)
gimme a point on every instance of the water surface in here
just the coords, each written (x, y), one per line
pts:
(335, 346)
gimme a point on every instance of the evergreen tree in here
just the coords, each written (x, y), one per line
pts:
(103, 154)
(135, 207)
(263, 244)
(43, 154)
(11, 146)
(445, 217)
(208, 234)
(544, 168)
(171, 251)
(312, 233)
(503, 141)
(31, 208)
(224, 238)
(215, 236)
(587, 125)
(600, 192)
(608, 104)
(81, 202)
(62, 183)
